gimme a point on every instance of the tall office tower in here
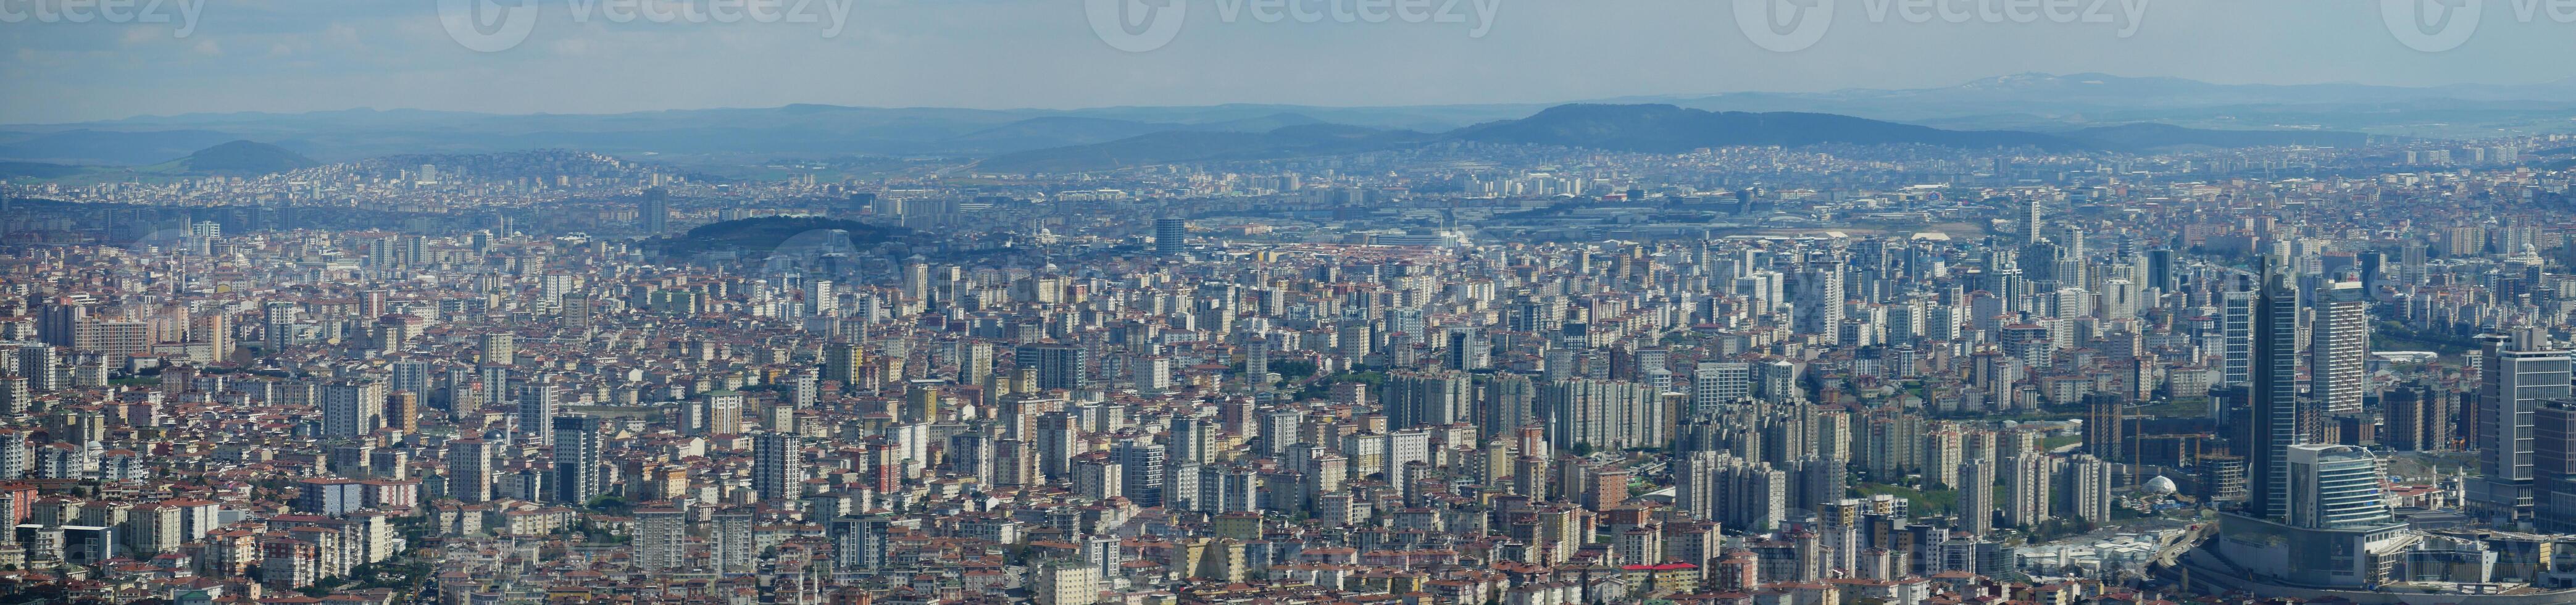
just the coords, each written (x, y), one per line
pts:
(731, 535)
(974, 362)
(2160, 270)
(1560, 363)
(1468, 350)
(1280, 430)
(661, 537)
(2030, 223)
(2418, 419)
(469, 470)
(1605, 414)
(537, 411)
(1650, 365)
(402, 411)
(859, 543)
(916, 278)
(1414, 399)
(372, 304)
(1193, 440)
(1404, 326)
(1508, 404)
(2083, 490)
(821, 299)
(2104, 418)
(1715, 384)
(1352, 342)
(496, 385)
(60, 322)
(1820, 301)
(655, 211)
(408, 377)
(1053, 443)
(278, 329)
(806, 389)
(352, 409)
(1777, 382)
(2236, 306)
(2553, 467)
(41, 365)
(2335, 487)
(16, 396)
(1817, 481)
(920, 402)
(2516, 374)
(778, 467)
(455, 392)
(2339, 343)
(2372, 263)
(1905, 319)
(1014, 462)
(1169, 236)
(2120, 299)
(1751, 495)
(1151, 375)
(1406, 449)
(1059, 365)
(500, 348)
(576, 472)
(1977, 496)
(2411, 261)
(841, 361)
(2278, 421)
(724, 413)
(1099, 477)
(970, 454)
(1142, 475)
(577, 310)
(212, 326)
(1256, 363)
(2027, 477)
(1694, 491)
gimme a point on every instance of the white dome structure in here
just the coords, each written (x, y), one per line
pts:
(2161, 486)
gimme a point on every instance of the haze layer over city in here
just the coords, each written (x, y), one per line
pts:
(1301, 302)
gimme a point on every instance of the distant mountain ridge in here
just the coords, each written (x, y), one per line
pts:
(2050, 105)
(89, 146)
(1670, 129)
(1190, 146)
(1650, 128)
(240, 158)
(1108, 144)
(2096, 92)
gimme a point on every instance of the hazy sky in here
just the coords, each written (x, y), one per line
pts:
(304, 55)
